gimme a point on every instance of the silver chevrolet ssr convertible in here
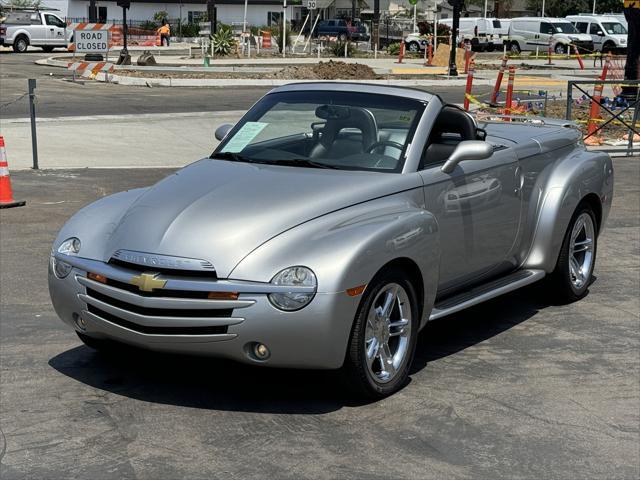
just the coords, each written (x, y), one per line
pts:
(332, 222)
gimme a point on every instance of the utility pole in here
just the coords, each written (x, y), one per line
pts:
(375, 29)
(457, 6)
(211, 14)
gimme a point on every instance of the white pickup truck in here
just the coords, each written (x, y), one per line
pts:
(38, 28)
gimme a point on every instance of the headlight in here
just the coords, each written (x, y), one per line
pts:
(293, 277)
(574, 39)
(71, 246)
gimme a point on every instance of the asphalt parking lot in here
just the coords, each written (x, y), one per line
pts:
(515, 388)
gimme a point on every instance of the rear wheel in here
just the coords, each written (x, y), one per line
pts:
(413, 47)
(515, 48)
(20, 44)
(573, 273)
(383, 338)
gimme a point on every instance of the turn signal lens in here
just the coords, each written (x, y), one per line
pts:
(355, 291)
(222, 296)
(97, 277)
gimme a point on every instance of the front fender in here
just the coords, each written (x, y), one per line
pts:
(347, 248)
(581, 173)
(95, 223)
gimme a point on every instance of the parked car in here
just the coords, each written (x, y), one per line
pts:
(481, 33)
(331, 223)
(337, 28)
(607, 33)
(415, 42)
(38, 28)
(536, 33)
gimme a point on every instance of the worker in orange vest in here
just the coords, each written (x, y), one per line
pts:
(632, 67)
(165, 33)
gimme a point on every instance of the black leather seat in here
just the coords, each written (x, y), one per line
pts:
(452, 126)
(359, 118)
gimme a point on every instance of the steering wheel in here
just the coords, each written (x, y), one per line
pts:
(384, 143)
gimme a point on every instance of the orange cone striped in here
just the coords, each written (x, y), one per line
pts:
(6, 194)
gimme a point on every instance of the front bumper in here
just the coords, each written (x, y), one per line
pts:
(314, 337)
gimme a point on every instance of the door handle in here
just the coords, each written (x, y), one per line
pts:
(51, 29)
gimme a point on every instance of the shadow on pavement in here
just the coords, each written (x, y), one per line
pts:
(208, 383)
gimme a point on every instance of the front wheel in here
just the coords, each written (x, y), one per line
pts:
(561, 49)
(515, 48)
(414, 47)
(573, 273)
(383, 338)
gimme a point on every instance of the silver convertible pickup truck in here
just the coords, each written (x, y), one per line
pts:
(331, 223)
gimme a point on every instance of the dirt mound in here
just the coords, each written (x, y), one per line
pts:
(327, 71)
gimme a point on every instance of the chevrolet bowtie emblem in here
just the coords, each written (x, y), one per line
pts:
(147, 282)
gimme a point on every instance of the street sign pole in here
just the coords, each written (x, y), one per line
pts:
(284, 29)
(457, 5)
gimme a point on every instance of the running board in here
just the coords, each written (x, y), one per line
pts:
(485, 292)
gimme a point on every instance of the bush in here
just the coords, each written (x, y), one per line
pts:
(276, 34)
(189, 30)
(148, 25)
(222, 41)
(393, 48)
(159, 16)
(337, 49)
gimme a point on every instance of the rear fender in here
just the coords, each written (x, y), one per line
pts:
(579, 174)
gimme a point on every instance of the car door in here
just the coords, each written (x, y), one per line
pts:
(55, 31)
(545, 33)
(37, 30)
(597, 35)
(478, 209)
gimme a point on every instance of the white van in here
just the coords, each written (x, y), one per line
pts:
(607, 33)
(535, 33)
(481, 33)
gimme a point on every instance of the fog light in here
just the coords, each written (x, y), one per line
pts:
(79, 321)
(261, 351)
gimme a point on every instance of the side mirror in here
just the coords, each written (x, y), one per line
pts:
(222, 131)
(467, 150)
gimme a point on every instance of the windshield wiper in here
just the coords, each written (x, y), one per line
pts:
(236, 157)
(301, 162)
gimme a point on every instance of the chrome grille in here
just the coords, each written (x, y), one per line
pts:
(160, 312)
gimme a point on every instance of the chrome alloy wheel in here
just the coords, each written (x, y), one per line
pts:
(387, 332)
(581, 250)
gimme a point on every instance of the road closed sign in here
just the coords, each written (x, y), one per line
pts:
(91, 41)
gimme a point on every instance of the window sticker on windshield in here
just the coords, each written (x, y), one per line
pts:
(405, 118)
(243, 137)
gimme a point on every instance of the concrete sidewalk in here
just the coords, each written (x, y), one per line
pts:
(109, 141)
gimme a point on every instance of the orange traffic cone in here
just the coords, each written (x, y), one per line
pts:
(6, 195)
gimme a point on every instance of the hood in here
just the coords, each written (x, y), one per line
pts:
(220, 211)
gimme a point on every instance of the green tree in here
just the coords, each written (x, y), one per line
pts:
(562, 8)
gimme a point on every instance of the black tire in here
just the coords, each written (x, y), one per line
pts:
(559, 283)
(355, 371)
(96, 343)
(608, 47)
(47, 49)
(514, 47)
(413, 47)
(490, 47)
(560, 49)
(20, 44)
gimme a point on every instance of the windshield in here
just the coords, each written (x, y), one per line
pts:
(614, 28)
(325, 129)
(562, 27)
